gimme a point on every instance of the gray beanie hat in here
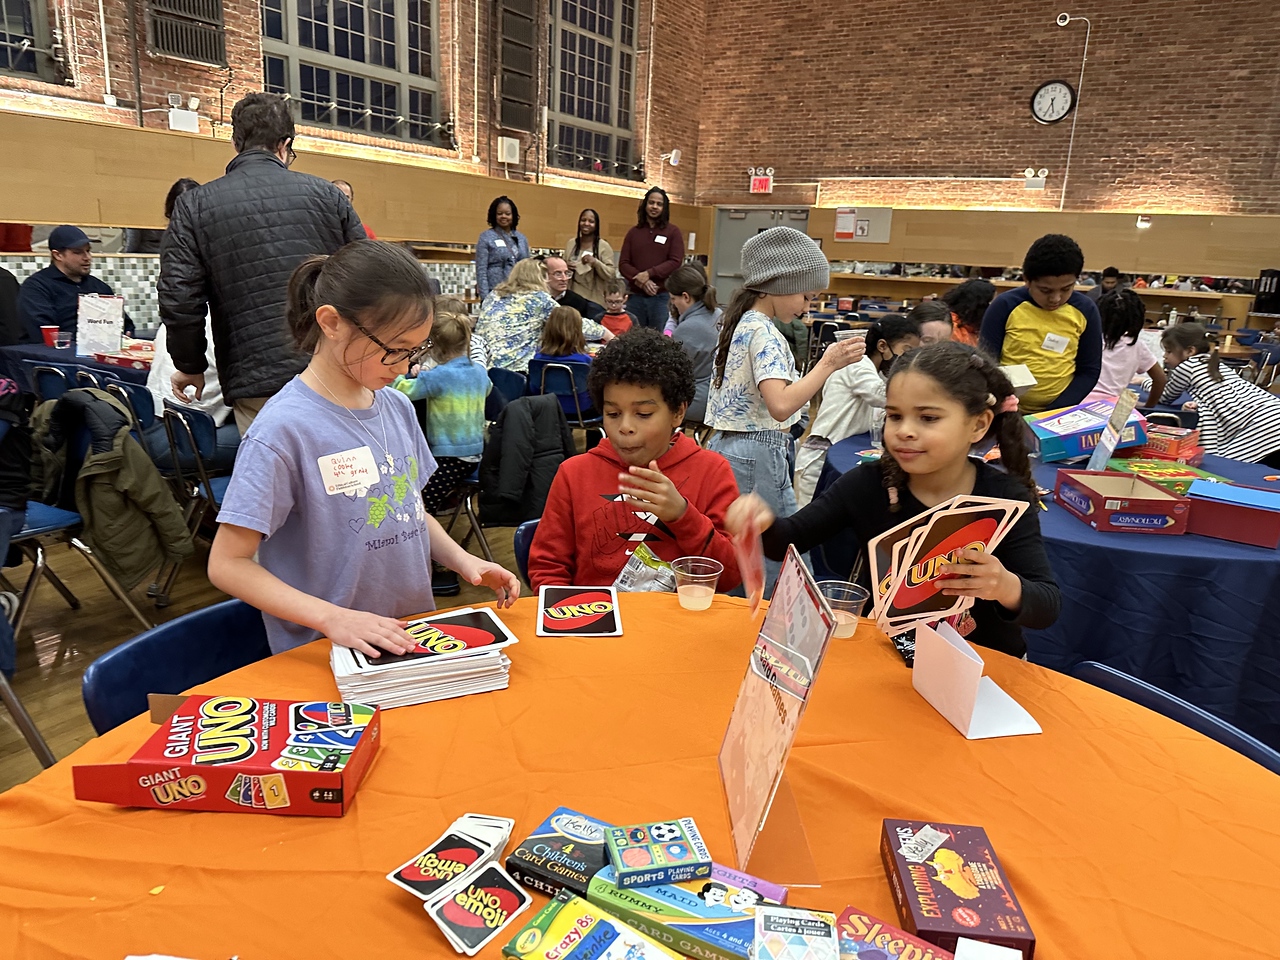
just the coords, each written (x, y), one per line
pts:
(782, 260)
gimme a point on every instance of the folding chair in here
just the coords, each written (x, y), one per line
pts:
(1175, 708)
(27, 726)
(507, 386)
(137, 400)
(522, 542)
(565, 379)
(88, 378)
(465, 493)
(173, 657)
(49, 381)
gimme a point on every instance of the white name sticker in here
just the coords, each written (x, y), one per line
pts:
(1054, 343)
(660, 239)
(351, 471)
(500, 243)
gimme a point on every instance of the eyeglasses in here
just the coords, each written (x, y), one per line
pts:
(291, 155)
(394, 355)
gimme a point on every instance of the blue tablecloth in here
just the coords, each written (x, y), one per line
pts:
(1197, 616)
(11, 365)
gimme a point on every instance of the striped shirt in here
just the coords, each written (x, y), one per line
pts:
(1238, 419)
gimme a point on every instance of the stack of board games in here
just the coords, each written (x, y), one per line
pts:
(868, 937)
(1071, 432)
(570, 928)
(241, 755)
(461, 886)
(458, 653)
(905, 560)
(793, 933)
(564, 851)
(648, 854)
(712, 919)
(948, 884)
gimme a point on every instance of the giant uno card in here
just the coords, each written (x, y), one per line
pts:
(578, 612)
(445, 636)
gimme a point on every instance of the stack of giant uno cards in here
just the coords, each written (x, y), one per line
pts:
(906, 561)
(458, 653)
(461, 885)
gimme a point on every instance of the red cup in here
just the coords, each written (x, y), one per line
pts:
(50, 333)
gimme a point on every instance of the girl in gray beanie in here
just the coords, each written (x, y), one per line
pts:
(756, 392)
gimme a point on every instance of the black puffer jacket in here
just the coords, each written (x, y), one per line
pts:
(527, 444)
(231, 246)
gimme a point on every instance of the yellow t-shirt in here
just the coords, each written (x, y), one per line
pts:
(1047, 342)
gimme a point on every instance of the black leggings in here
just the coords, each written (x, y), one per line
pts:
(449, 472)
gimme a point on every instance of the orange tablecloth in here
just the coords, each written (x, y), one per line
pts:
(1125, 835)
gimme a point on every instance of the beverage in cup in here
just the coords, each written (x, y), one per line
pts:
(696, 579)
(846, 600)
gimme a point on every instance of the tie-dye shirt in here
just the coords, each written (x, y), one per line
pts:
(454, 392)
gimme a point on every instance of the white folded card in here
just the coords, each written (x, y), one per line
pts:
(948, 673)
(978, 950)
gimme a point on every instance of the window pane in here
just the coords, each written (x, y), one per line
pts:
(382, 106)
(272, 18)
(273, 75)
(622, 158)
(595, 16)
(317, 95)
(564, 152)
(627, 34)
(624, 89)
(348, 30)
(382, 33)
(16, 25)
(585, 68)
(421, 115)
(420, 38)
(313, 24)
(351, 112)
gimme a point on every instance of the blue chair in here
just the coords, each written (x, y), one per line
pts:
(173, 657)
(566, 379)
(137, 399)
(1247, 336)
(23, 721)
(89, 378)
(1175, 708)
(49, 381)
(508, 385)
(522, 542)
(1268, 363)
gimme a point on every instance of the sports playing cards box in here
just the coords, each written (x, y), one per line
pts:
(570, 928)
(948, 883)
(712, 919)
(1074, 431)
(669, 851)
(566, 850)
(241, 755)
(865, 936)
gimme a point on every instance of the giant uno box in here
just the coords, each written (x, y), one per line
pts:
(242, 755)
(1074, 431)
(1238, 513)
(1121, 502)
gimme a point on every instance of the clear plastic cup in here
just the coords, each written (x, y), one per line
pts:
(696, 579)
(62, 340)
(846, 600)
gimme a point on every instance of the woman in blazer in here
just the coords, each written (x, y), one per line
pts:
(500, 247)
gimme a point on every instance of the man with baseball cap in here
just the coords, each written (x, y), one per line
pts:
(51, 297)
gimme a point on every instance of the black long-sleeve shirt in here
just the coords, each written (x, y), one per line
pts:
(857, 507)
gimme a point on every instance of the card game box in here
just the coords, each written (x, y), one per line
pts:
(241, 755)
(1074, 431)
(1173, 441)
(1232, 512)
(948, 883)
(793, 933)
(868, 937)
(565, 850)
(1172, 476)
(712, 919)
(1121, 502)
(570, 928)
(669, 851)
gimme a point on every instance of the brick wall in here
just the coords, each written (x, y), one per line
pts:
(1177, 113)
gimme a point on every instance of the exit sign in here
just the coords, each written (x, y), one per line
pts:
(762, 184)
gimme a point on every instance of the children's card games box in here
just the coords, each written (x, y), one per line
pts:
(241, 755)
(1074, 431)
(570, 928)
(948, 883)
(1173, 441)
(1231, 512)
(712, 919)
(668, 851)
(1121, 502)
(1174, 477)
(868, 937)
(565, 851)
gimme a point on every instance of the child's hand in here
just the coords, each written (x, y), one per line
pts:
(1190, 406)
(501, 581)
(982, 577)
(742, 510)
(844, 352)
(651, 491)
(366, 631)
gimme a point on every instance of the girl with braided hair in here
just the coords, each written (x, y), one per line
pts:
(941, 400)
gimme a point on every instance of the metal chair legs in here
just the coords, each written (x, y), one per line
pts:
(476, 528)
(120, 593)
(25, 724)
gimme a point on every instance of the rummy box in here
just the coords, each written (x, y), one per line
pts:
(1121, 502)
(565, 850)
(242, 755)
(948, 883)
(1233, 512)
(1173, 441)
(1072, 432)
(668, 851)
(712, 919)
(868, 937)
(570, 928)
(1174, 477)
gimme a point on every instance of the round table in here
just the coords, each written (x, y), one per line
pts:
(1193, 615)
(1123, 833)
(11, 364)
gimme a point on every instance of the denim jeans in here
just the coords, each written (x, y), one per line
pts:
(652, 312)
(11, 522)
(761, 462)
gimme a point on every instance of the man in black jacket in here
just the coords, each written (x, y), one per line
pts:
(230, 248)
(558, 277)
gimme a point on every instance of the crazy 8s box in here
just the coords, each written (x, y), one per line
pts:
(712, 919)
(565, 851)
(241, 755)
(668, 851)
(570, 928)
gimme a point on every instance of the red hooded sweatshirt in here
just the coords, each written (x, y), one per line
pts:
(587, 532)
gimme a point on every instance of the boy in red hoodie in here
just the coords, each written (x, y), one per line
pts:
(645, 483)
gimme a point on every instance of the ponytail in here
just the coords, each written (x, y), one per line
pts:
(690, 279)
(742, 300)
(300, 311)
(1215, 364)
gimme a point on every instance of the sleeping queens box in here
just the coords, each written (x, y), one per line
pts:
(241, 755)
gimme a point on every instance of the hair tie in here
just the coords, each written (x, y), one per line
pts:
(1010, 404)
(976, 361)
(893, 496)
(991, 400)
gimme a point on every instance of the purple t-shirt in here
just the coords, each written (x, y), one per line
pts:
(366, 549)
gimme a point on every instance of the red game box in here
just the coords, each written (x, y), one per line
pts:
(240, 755)
(862, 935)
(948, 883)
(1121, 502)
(1172, 441)
(1229, 511)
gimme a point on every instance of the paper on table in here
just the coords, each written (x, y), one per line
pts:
(977, 950)
(99, 324)
(948, 674)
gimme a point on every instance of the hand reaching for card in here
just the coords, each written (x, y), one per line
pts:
(367, 632)
(651, 491)
(500, 580)
(982, 576)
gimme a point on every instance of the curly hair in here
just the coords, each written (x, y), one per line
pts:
(969, 301)
(643, 357)
(977, 383)
(1053, 255)
(493, 212)
(1123, 315)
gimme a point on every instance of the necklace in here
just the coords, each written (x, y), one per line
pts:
(386, 452)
